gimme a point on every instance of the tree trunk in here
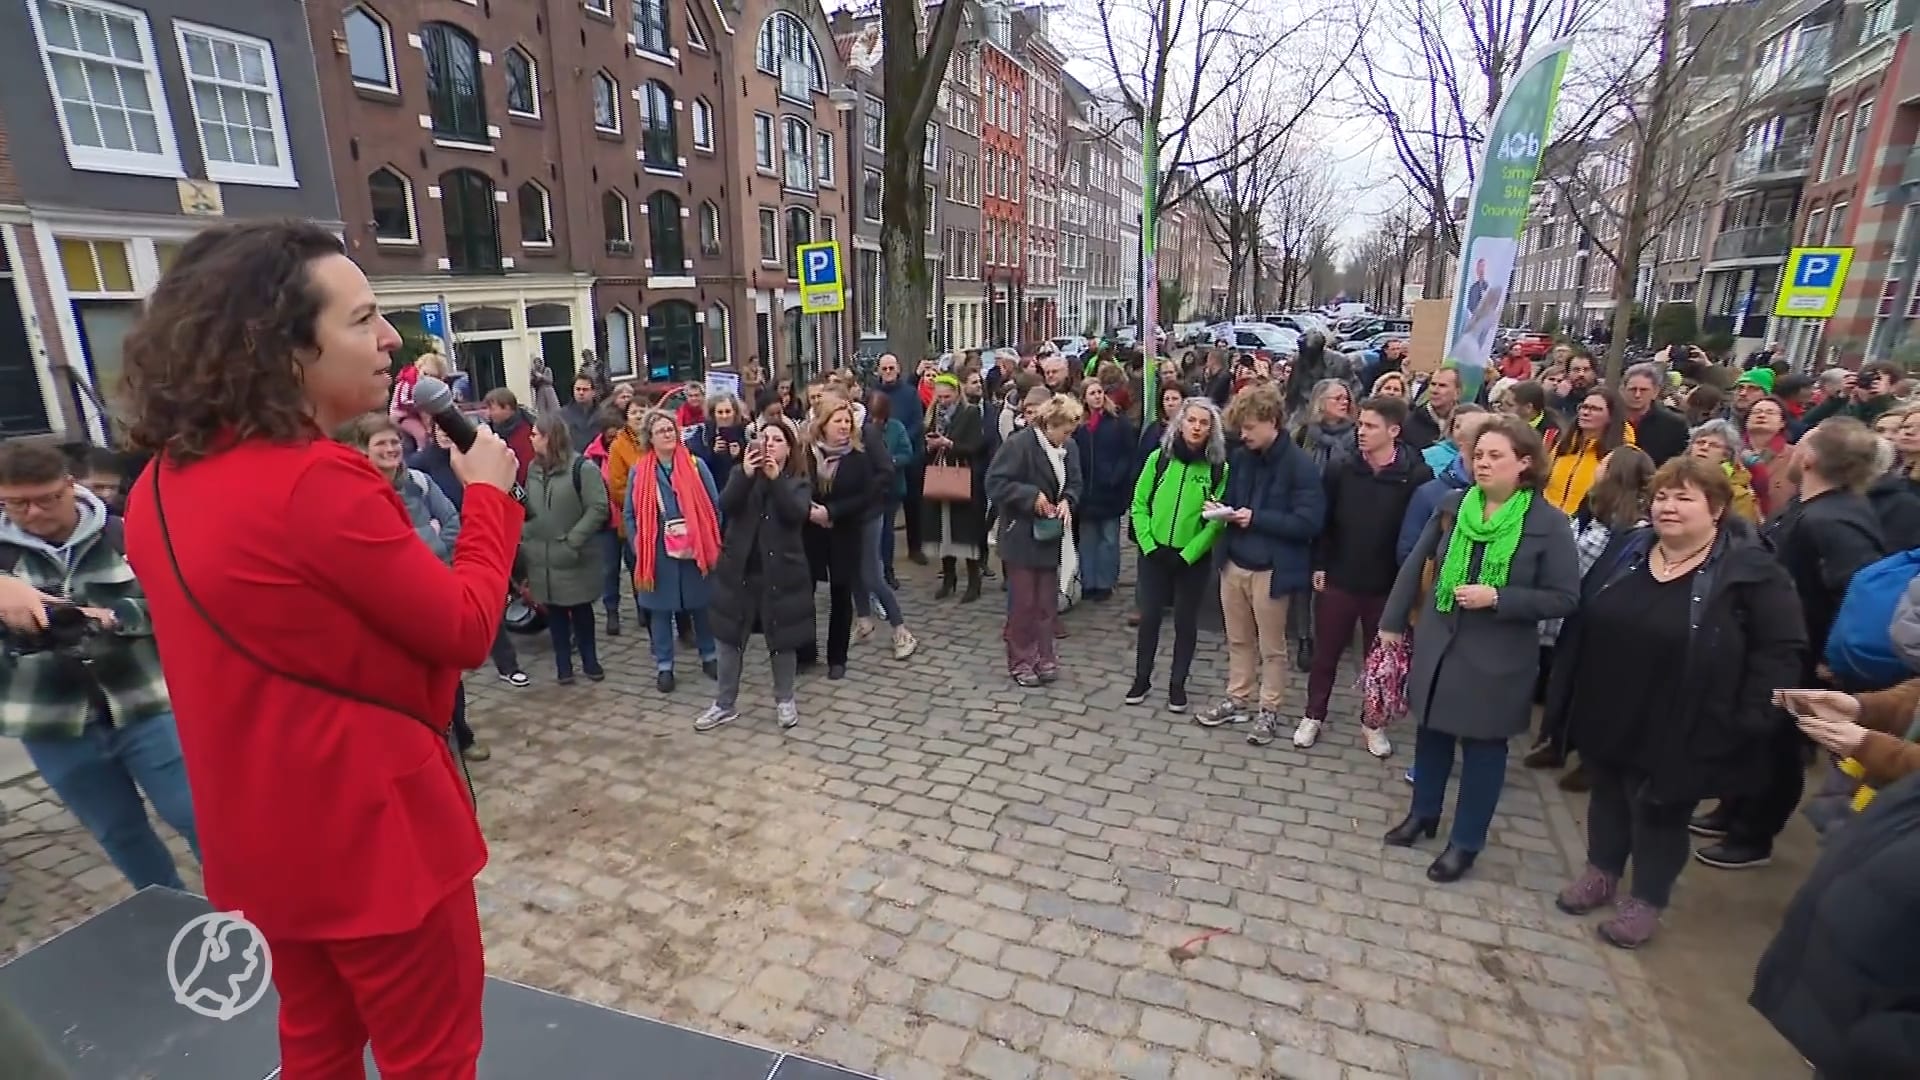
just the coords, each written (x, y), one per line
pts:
(1633, 236)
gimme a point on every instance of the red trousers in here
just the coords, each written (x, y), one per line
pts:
(415, 995)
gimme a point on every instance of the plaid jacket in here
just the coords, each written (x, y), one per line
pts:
(48, 695)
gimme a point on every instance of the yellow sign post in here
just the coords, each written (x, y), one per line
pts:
(1811, 283)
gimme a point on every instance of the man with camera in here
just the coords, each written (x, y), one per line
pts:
(80, 681)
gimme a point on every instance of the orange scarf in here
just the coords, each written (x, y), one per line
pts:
(703, 525)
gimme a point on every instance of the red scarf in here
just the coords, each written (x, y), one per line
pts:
(703, 525)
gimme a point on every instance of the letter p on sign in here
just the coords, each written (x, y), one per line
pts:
(819, 267)
(1816, 271)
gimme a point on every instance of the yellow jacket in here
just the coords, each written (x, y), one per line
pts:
(621, 458)
(1744, 503)
(1572, 473)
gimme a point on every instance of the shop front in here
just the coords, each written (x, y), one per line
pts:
(499, 325)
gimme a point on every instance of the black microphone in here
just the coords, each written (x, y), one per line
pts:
(435, 398)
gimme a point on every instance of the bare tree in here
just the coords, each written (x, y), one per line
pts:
(1300, 217)
(1376, 265)
(1249, 126)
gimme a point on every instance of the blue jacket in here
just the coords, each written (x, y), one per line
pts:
(1107, 468)
(1426, 499)
(900, 449)
(905, 399)
(437, 463)
(1282, 487)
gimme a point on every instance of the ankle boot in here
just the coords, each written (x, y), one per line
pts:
(973, 582)
(1452, 865)
(948, 578)
(1412, 829)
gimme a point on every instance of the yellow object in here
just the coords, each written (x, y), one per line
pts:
(1811, 281)
(1863, 797)
(1572, 473)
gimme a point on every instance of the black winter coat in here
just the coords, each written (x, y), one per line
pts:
(1822, 542)
(1107, 468)
(1662, 434)
(1747, 639)
(858, 488)
(768, 517)
(1841, 980)
(1356, 548)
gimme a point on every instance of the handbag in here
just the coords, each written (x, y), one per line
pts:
(674, 536)
(947, 482)
(1048, 529)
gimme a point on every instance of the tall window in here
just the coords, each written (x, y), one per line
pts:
(709, 229)
(719, 333)
(666, 234)
(454, 96)
(797, 161)
(786, 48)
(650, 26)
(536, 216)
(392, 199)
(870, 192)
(523, 90)
(763, 142)
(659, 140)
(769, 236)
(702, 124)
(799, 231)
(467, 212)
(873, 124)
(613, 220)
(606, 102)
(823, 163)
(105, 78)
(235, 91)
(1862, 135)
(619, 343)
(369, 50)
(673, 342)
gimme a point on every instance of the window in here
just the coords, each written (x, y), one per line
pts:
(1816, 228)
(96, 266)
(797, 161)
(523, 89)
(650, 26)
(105, 78)
(1837, 225)
(719, 333)
(799, 231)
(1862, 135)
(769, 235)
(930, 149)
(666, 236)
(467, 212)
(786, 48)
(235, 92)
(369, 50)
(673, 342)
(823, 157)
(829, 228)
(659, 142)
(454, 95)
(702, 125)
(763, 142)
(709, 229)
(392, 199)
(870, 196)
(1836, 146)
(619, 343)
(873, 124)
(927, 201)
(613, 220)
(867, 289)
(606, 103)
(536, 216)
(694, 37)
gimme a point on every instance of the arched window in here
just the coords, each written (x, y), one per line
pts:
(617, 346)
(799, 231)
(786, 48)
(613, 218)
(392, 198)
(523, 87)
(673, 342)
(719, 333)
(606, 102)
(454, 96)
(659, 136)
(468, 213)
(369, 50)
(536, 216)
(666, 234)
(709, 229)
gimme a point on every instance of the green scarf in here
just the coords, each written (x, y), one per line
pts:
(1500, 534)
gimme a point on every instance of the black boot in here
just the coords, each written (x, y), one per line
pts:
(1412, 829)
(973, 582)
(1303, 654)
(948, 579)
(613, 622)
(1452, 865)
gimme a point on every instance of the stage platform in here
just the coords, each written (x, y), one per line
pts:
(101, 998)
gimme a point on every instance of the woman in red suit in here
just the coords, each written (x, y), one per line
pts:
(312, 645)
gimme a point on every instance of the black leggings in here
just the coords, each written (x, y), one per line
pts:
(1185, 585)
(1623, 827)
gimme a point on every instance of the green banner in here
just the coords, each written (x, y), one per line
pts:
(1509, 164)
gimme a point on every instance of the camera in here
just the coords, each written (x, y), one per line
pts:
(68, 631)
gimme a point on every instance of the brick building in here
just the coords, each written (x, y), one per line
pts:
(1003, 176)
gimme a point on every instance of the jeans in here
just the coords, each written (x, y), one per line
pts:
(873, 577)
(101, 775)
(1335, 610)
(916, 482)
(1623, 825)
(1185, 584)
(616, 555)
(568, 626)
(1755, 820)
(886, 533)
(786, 668)
(1483, 775)
(660, 636)
(1098, 543)
(505, 660)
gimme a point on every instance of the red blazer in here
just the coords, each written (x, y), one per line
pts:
(320, 817)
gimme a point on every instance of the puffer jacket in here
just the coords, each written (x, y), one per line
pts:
(622, 456)
(1573, 473)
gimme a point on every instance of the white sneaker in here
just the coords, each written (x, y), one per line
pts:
(904, 643)
(714, 717)
(1378, 744)
(789, 713)
(1306, 733)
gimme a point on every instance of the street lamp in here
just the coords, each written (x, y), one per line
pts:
(844, 98)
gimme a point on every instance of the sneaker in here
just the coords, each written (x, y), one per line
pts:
(789, 713)
(595, 674)
(476, 751)
(1026, 678)
(1711, 824)
(1176, 699)
(1727, 855)
(1590, 891)
(1378, 744)
(515, 678)
(1047, 676)
(1138, 693)
(1227, 712)
(565, 680)
(1634, 923)
(904, 643)
(663, 681)
(1306, 732)
(1266, 728)
(713, 717)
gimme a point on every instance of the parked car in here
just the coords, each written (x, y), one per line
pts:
(1246, 337)
(1070, 347)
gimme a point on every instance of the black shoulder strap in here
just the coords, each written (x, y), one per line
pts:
(579, 463)
(9, 558)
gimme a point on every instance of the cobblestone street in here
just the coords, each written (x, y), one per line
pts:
(937, 874)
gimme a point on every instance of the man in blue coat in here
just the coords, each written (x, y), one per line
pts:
(903, 393)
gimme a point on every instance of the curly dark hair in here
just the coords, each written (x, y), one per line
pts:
(213, 356)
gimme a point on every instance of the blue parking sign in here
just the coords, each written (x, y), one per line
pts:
(433, 319)
(1816, 271)
(821, 289)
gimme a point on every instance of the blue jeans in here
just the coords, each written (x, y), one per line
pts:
(874, 589)
(1099, 547)
(617, 557)
(568, 627)
(100, 777)
(660, 636)
(1483, 775)
(886, 531)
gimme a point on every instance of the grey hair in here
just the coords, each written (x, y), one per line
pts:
(1883, 455)
(1833, 376)
(1324, 389)
(1650, 370)
(1722, 430)
(1216, 435)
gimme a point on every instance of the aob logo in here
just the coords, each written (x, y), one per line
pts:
(1519, 146)
(219, 965)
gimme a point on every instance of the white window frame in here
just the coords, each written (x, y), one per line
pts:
(763, 123)
(593, 101)
(533, 78)
(630, 320)
(412, 239)
(546, 212)
(166, 162)
(227, 172)
(824, 169)
(710, 212)
(702, 116)
(760, 219)
(392, 83)
(626, 217)
(695, 40)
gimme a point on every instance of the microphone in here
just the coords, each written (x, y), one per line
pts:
(435, 398)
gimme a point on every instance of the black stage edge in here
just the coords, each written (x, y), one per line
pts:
(100, 997)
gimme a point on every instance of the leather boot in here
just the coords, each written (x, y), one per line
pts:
(973, 582)
(1411, 830)
(948, 579)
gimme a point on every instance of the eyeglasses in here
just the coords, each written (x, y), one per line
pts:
(49, 500)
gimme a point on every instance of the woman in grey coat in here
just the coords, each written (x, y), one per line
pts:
(1034, 483)
(563, 557)
(1504, 559)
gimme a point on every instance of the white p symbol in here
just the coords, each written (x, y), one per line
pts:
(1816, 268)
(818, 263)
